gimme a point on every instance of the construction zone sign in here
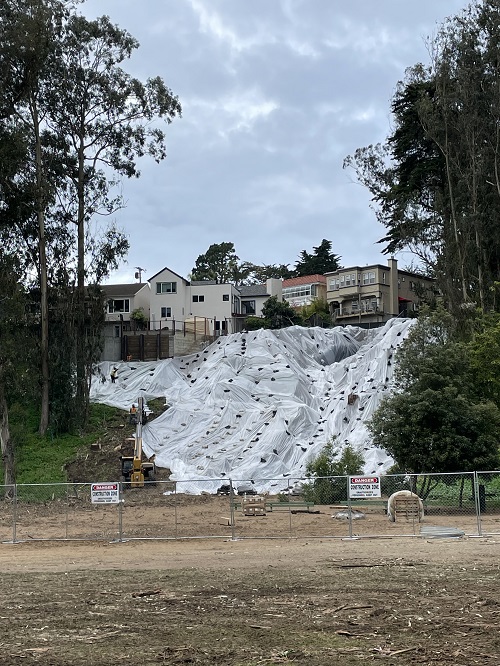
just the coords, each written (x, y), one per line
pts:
(364, 486)
(105, 493)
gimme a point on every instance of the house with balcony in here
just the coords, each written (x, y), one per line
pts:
(304, 290)
(371, 295)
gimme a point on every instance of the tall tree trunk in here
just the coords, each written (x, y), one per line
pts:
(456, 232)
(42, 253)
(6, 444)
(81, 387)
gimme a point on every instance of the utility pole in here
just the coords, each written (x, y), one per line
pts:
(138, 275)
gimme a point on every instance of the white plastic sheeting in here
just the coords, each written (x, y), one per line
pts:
(260, 405)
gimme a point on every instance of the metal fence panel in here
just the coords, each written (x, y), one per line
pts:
(488, 501)
(84, 520)
(40, 511)
(466, 503)
(7, 513)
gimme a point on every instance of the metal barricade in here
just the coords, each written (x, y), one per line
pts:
(467, 503)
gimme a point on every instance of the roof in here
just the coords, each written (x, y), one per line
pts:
(304, 279)
(253, 290)
(166, 268)
(200, 283)
(123, 289)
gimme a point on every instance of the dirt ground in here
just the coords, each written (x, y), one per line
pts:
(251, 602)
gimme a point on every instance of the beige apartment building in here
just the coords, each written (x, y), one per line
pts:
(366, 295)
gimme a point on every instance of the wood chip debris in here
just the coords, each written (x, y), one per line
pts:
(147, 593)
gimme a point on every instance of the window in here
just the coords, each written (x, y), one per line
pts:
(198, 298)
(220, 325)
(350, 279)
(295, 292)
(166, 313)
(118, 305)
(248, 307)
(369, 278)
(166, 287)
(225, 297)
(334, 284)
(117, 331)
(383, 278)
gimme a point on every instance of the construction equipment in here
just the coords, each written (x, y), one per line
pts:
(135, 472)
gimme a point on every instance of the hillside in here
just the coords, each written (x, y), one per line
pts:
(257, 406)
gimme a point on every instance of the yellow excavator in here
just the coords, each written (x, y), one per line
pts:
(135, 472)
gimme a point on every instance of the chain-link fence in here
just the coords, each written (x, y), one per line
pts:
(405, 505)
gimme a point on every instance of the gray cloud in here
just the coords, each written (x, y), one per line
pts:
(275, 94)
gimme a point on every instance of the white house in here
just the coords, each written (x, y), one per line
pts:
(121, 301)
(209, 307)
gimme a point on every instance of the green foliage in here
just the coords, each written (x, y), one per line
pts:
(325, 470)
(262, 273)
(140, 318)
(279, 314)
(484, 356)
(437, 421)
(219, 263)
(321, 261)
(435, 182)
(42, 459)
(72, 121)
(317, 314)
(254, 323)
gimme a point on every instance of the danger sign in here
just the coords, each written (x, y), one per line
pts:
(104, 493)
(364, 486)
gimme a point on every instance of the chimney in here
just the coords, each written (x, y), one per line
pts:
(393, 287)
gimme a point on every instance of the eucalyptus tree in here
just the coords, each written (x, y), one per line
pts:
(84, 123)
(435, 183)
(28, 35)
(103, 121)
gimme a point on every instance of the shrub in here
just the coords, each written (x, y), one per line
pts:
(328, 473)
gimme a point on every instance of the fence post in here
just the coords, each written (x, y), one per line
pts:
(231, 510)
(120, 514)
(14, 515)
(67, 511)
(175, 508)
(349, 507)
(289, 507)
(478, 504)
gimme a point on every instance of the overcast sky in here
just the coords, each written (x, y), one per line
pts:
(275, 93)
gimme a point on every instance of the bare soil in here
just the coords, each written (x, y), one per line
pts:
(251, 602)
(308, 595)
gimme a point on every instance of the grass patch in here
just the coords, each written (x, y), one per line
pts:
(43, 459)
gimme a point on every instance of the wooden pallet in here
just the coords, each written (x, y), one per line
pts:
(407, 507)
(253, 505)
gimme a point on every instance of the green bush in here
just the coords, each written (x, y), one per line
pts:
(329, 483)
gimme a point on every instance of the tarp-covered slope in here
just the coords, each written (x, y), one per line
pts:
(260, 405)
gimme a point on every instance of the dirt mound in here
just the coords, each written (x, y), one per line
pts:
(101, 460)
